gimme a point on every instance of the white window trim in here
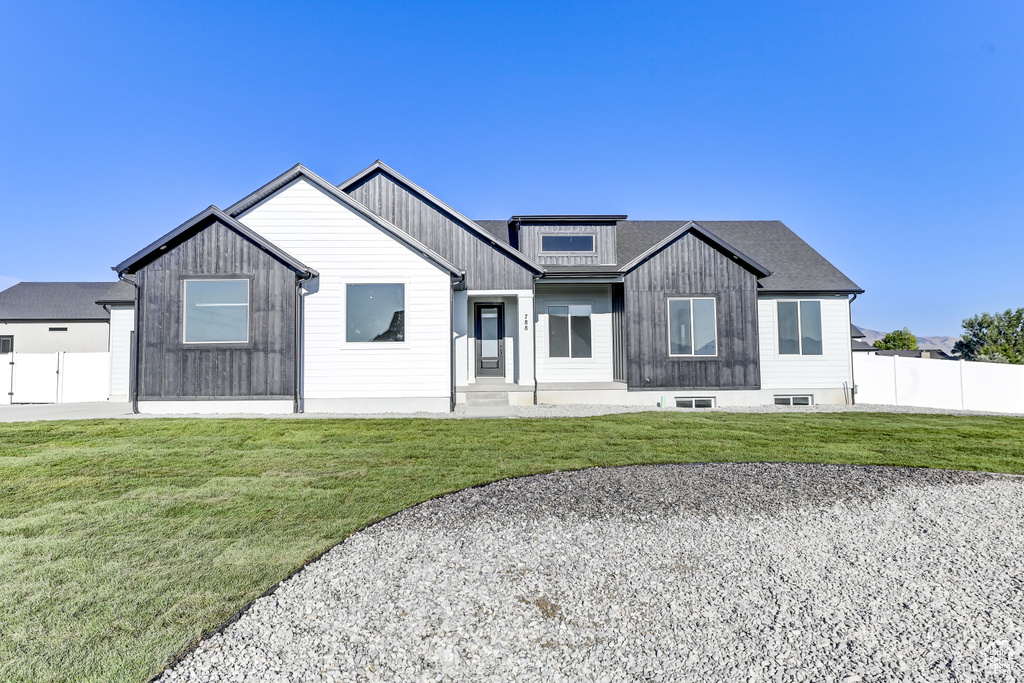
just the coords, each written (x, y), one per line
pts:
(344, 313)
(668, 326)
(184, 308)
(799, 331)
(591, 235)
(547, 312)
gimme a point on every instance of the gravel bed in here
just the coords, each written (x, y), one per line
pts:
(732, 572)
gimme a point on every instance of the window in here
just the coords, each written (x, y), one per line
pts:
(800, 328)
(567, 243)
(692, 327)
(375, 313)
(569, 331)
(216, 311)
(6, 345)
(695, 402)
(794, 401)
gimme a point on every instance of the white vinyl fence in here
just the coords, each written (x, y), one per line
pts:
(61, 377)
(932, 383)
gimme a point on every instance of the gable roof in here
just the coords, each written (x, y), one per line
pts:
(697, 229)
(299, 171)
(200, 222)
(501, 243)
(62, 300)
(795, 266)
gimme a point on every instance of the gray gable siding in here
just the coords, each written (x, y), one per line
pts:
(263, 368)
(691, 267)
(530, 235)
(485, 266)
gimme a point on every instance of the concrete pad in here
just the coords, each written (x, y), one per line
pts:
(64, 411)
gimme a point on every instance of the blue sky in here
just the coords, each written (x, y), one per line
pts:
(889, 135)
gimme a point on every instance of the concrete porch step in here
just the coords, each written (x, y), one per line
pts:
(487, 398)
(489, 411)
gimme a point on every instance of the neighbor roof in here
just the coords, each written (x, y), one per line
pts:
(795, 266)
(61, 300)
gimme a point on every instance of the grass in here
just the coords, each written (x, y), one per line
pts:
(122, 542)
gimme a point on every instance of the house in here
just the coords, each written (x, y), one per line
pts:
(374, 296)
(858, 345)
(44, 321)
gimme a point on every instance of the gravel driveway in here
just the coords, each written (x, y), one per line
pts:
(731, 572)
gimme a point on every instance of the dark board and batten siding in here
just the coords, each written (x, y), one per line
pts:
(263, 368)
(690, 267)
(604, 244)
(486, 267)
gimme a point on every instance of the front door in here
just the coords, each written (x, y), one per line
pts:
(490, 340)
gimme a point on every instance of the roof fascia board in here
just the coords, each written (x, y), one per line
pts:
(692, 226)
(580, 278)
(469, 223)
(212, 213)
(298, 171)
(808, 292)
(568, 218)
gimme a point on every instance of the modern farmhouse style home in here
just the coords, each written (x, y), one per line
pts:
(374, 296)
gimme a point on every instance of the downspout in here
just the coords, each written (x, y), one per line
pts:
(134, 379)
(300, 279)
(451, 342)
(853, 378)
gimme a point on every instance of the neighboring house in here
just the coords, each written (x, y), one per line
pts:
(937, 354)
(858, 344)
(374, 295)
(68, 318)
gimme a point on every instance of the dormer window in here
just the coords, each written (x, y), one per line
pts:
(567, 243)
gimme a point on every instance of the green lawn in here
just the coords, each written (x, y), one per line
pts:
(122, 542)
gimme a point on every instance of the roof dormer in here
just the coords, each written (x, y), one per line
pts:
(566, 240)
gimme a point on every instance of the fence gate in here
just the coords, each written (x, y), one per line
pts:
(35, 377)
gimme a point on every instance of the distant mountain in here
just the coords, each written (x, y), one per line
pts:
(944, 343)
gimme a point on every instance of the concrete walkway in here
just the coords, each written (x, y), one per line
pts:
(64, 411)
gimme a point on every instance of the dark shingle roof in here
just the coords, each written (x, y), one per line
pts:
(795, 265)
(61, 300)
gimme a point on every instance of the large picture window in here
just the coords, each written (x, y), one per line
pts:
(216, 312)
(692, 327)
(800, 328)
(569, 331)
(375, 313)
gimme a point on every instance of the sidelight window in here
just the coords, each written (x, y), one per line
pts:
(216, 311)
(569, 331)
(375, 313)
(692, 327)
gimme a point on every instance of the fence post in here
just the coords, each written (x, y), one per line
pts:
(895, 382)
(963, 403)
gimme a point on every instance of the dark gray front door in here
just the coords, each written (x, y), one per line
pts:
(490, 340)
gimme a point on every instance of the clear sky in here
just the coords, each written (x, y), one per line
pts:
(889, 135)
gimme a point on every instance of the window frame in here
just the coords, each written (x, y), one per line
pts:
(799, 329)
(668, 326)
(791, 397)
(567, 305)
(591, 235)
(374, 344)
(185, 279)
(693, 402)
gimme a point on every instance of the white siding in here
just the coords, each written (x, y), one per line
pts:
(326, 235)
(595, 369)
(80, 337)
(122, 323)
(828, 370)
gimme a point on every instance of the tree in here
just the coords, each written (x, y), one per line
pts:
(898, 339)
(995, 338)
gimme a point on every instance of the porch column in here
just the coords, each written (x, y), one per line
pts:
(525, 325)
(460, 331)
